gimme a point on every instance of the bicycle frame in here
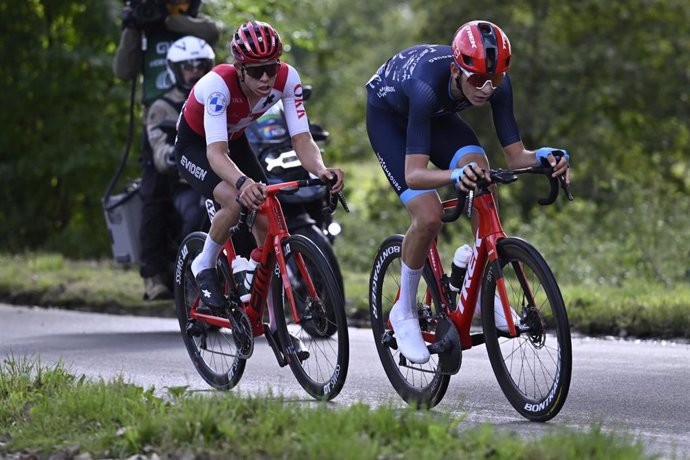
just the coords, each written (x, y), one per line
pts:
(272, 251)
(484, 252)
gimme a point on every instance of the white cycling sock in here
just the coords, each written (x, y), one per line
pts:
(409, 281)
(208, 256)
(405, 319)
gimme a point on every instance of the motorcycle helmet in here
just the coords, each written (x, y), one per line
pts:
(481, 47)
(256, 41)
(188, 51)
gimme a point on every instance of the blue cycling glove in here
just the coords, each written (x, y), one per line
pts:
(456, 175)
(544, 152)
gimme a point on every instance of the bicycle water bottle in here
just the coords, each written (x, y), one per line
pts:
(459, 267)
(239, 272)
(251, 268)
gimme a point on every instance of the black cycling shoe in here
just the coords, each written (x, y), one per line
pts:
(210, 292)
(300, 350)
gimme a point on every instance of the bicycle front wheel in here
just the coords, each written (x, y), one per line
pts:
(422, 385)
(213, 350)
(311, 323)
(534, 368)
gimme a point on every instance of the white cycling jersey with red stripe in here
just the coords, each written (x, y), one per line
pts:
(218, 110)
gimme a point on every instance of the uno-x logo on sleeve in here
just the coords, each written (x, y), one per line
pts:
(216, 104)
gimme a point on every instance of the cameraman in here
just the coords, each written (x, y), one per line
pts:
(149, 27)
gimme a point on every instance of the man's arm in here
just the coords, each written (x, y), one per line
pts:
(128, 56)
(309, 155)
(202, 26)
(517, 156)
(163, 149)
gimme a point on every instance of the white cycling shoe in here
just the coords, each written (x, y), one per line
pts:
(499, 316)
(408, 335)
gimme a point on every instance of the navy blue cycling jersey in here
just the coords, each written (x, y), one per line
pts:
(415, 84)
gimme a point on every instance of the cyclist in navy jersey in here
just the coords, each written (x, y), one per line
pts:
(212, 151)
(412, 119)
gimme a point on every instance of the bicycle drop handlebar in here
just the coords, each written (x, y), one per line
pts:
(507, 176)
(247, 217)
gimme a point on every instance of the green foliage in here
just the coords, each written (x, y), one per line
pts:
(63, 122)
(46, 410)
(609, 82)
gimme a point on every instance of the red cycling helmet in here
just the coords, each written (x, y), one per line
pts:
(256, 41)
(481, 47)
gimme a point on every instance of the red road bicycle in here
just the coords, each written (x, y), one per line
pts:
(311, 335)
(532, 360)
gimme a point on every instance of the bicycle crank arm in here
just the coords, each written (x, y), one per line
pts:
(447, 346)
(275, 346)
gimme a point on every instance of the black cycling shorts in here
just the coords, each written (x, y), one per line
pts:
(451, 139)
(190, 154)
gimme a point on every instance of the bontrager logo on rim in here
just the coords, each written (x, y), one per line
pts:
(216, 104)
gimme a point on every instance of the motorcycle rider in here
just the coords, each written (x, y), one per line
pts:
(148, 29)
(188, 59)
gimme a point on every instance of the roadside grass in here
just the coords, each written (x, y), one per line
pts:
(47, 410)
(632, 309)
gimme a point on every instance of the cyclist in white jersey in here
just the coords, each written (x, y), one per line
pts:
(212, 152)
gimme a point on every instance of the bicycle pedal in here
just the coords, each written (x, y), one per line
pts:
(389, 341)
(196, 328)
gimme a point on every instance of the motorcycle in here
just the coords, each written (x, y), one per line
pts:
(270, 140)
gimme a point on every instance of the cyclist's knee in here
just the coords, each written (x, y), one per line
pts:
(427, 221)
(225, 195)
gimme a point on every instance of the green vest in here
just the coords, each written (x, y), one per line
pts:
(156, 79)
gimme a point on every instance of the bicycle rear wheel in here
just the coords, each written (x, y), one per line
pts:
(534, 368)
(213, 350)
(422, 385)
(314, 327)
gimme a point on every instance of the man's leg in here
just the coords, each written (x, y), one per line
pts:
(153, 234)
(425, 211)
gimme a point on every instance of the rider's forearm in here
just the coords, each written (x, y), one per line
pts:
(308, 153)
(221, 164)
(423, 178)
(517, 156)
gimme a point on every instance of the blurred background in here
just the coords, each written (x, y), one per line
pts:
(609, 81)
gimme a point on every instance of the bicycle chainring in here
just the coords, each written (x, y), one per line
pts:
(242, 333)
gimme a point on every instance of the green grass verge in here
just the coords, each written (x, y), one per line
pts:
(46, 410)
(633, 309)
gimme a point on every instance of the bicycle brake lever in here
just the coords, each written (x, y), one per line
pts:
(251, 217)
(470, 200)
(565, 187)
(343, 201)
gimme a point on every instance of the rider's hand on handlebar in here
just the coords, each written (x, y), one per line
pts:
(252, 194)
(562, 166)
(465, 178)
(327, 175)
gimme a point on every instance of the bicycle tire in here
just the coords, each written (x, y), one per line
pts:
(533, 369)
(317, 237)
(422, 388)
(322, 325)
(213, 350)
(315, 234)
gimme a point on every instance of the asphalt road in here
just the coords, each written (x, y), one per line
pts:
(638, 387)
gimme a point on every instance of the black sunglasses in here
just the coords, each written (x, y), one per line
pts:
(257, 71)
